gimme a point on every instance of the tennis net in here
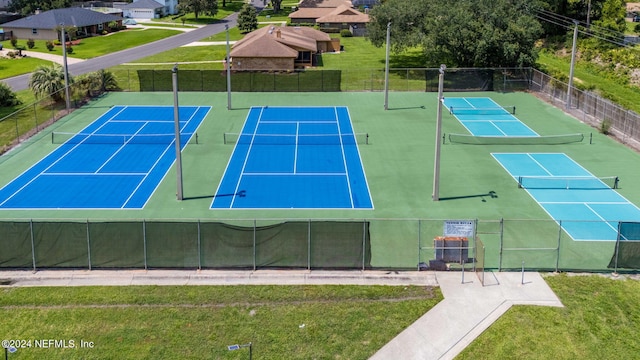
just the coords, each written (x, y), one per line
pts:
(483, 111)
(299, 139)
(515, 140)
(571, 182)
(157, 139)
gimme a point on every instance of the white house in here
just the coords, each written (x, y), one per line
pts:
(150, 9)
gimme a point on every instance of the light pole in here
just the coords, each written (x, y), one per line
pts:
(436, 165)
(228, 71)
(65, 67)
(238, 347)
(573, 61)
(176, 121)
(386, 69)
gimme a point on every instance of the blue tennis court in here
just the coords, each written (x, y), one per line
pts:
(295, 158)
(116, 162)
(484, 117)
(588, 207)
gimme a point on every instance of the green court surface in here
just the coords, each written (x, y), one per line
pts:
(398, 164)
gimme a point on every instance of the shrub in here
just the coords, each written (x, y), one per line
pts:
(50, 45)
(104, 32)
(14, 41)
(605, 126)
(31, 43)
(57, 42)
(7, 96)
(345, 33)
(69, 49)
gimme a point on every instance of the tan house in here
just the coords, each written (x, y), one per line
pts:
(281, 48)
(331, 16)
(46, 25)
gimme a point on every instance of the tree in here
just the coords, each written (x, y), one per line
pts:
(27, 7)
(276, 5)
(48, 81)
(485, 33)
(207, 7)
(7, 96)
(247, 19)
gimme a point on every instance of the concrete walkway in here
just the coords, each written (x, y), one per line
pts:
(467, 310)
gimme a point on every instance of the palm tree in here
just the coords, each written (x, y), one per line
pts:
(48, 81)
(106, 80)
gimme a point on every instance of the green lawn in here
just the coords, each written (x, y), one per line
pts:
(199, 322)
(600, 320)
(19, 66)
(585, 77)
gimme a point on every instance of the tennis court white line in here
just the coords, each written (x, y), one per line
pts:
(344, 158)
(148, 121)
(293, 174)
(601, 218)
(584, 202)
(298, 121)
(541, 166)
(93, 174)
(120, 148)
(493, 120)
(246, 157)
(156, 164)
(51, 165)
(295, 152)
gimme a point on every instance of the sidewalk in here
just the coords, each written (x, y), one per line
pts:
(467, 310)
(44, 56)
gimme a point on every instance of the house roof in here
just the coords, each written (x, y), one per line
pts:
(310, 13)
(323, 3)
(51, 19)
(143, 4)
(344, 14)
(278, 41)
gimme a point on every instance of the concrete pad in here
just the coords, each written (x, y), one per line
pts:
(467, 310)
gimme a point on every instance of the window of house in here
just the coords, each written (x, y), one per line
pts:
(34, 31)
(100, 27)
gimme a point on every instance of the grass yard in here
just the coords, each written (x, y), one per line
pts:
(600, 320)
(19, 66)
(199, 322)
(584, 77)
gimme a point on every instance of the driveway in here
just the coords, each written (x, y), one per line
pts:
(20, 82)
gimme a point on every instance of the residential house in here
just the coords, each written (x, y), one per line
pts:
(331, 16)
(150, 9)
(46, 25)
(281, 48)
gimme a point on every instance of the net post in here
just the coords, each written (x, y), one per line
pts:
(519, 182)
(367, 139)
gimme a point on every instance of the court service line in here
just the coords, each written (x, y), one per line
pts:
(93, 174)
(294, 174)
(598, 215)
(344, 158)
(295, 152)
(120, 148)
(539, 164)
(52, 164)
(246, 157)
(144, 178)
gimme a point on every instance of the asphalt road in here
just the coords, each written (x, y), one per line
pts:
(18, 83)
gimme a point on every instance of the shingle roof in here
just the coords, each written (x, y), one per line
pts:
(143, 4)
(344, 14)
(323, 3)
(51, 19)
(310, 13)
(278, 41)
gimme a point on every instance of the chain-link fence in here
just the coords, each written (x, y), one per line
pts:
(398, 244)
(590, 108)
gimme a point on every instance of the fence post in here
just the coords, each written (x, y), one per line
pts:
(309, 245)
(254, 244)
(33, 245)
(144, 242)
(88, 245)
(558, 251)
(199, 247)
(364, 244)
(501, 243)
(419, 242)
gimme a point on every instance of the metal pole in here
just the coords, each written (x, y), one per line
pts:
(436, 166)
(573, 61)
(65, 68)
(386, 69)
(176, 120)
(226, 27)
